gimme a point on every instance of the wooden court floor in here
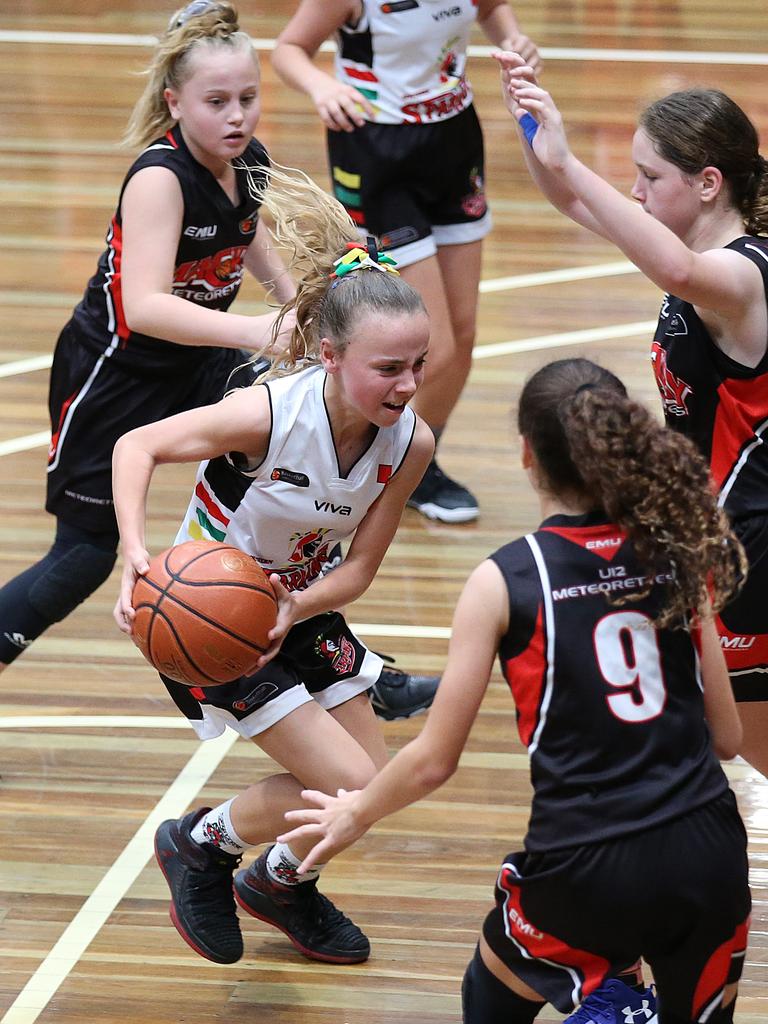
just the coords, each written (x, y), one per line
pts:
(92, 756)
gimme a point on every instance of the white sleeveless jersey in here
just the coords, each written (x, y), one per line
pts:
(291, 510)
(408, 58)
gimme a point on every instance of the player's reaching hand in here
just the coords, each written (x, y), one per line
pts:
(288, 614)
(525, 48)
(340, 106)
(136, 564)
(534, 109)
(332, 819)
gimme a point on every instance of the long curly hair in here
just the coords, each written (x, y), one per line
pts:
(595, 444)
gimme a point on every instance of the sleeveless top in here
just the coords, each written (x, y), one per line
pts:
(610, 708)
(208, 269)
(290, 511)
(719, 403)
(408, 58)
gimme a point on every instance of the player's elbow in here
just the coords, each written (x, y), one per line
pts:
(727, 746)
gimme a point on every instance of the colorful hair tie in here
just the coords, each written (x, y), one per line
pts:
(192, 10)
(357, 258)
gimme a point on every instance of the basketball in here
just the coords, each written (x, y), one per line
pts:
(203, 612)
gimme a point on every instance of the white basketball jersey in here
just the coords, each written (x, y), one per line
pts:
(291, 510)
(408, 58)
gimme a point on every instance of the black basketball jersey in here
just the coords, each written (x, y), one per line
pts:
(208, 267)
(610, 708)
(720, 404)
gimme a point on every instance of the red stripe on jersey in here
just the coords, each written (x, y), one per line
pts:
(169, 136)
(717, 971)
(742, 650)
(357, 216)
(526, 675)
(359, 73)
(542, 946)
(116, 280)
(604, 540)
(55, 437)
(197, 692)
(384, 473)
(210, 504)
(742, 406)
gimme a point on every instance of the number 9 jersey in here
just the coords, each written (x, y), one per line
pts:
(610, 708)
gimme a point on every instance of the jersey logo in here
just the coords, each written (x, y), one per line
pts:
(673, 390)
(474, 204)
(728, 643)
(335, 510)
(209, 231)
(307, 545)
(399, 5)
(448, 12)
(288, 476)
(384, 473)
(248, 225)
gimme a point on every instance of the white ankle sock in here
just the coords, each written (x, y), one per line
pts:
(282, 864)
(216, 828)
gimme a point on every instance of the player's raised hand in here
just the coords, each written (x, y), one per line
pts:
(525, 48)
(534, 109)
(136, 564)
(341, 106)
(329, 818)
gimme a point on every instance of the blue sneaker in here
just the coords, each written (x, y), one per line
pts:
(616, 1003)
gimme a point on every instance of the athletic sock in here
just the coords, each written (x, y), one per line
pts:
(216, 828)
(282, 866)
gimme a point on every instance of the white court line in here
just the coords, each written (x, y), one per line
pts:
(501, 348)
(497, 284)
(81, 931)
(547, 52)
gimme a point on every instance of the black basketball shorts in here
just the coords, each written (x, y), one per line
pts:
(94, 401)
(743, 624)
(676, 894)
(321, 659)
(414, 186)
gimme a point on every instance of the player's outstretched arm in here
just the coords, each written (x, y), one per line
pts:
(426, 762)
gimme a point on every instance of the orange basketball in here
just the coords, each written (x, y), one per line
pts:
(203, 612)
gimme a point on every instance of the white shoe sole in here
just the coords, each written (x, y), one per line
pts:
(446, 515)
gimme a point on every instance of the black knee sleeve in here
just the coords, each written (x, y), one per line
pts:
(77, 563)
(486, 1000)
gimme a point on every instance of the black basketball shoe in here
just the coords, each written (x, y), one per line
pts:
(440, 497)
(397, 694)
(200, 879)
(309, 919)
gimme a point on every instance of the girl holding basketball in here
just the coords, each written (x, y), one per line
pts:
(152, 335)
(602, 624)
(324, 447)
(701, 178)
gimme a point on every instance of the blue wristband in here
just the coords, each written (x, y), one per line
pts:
(530, 126)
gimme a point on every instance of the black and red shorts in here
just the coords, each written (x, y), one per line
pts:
(94, 400)
(676, 894)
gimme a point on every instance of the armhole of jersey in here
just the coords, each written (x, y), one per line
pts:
(249, 470)
(549, 628)
(408, 445)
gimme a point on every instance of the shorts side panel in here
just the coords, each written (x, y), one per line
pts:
(743, 624)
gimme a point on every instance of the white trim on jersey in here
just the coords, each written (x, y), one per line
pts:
(740, 463)
(549, 625)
